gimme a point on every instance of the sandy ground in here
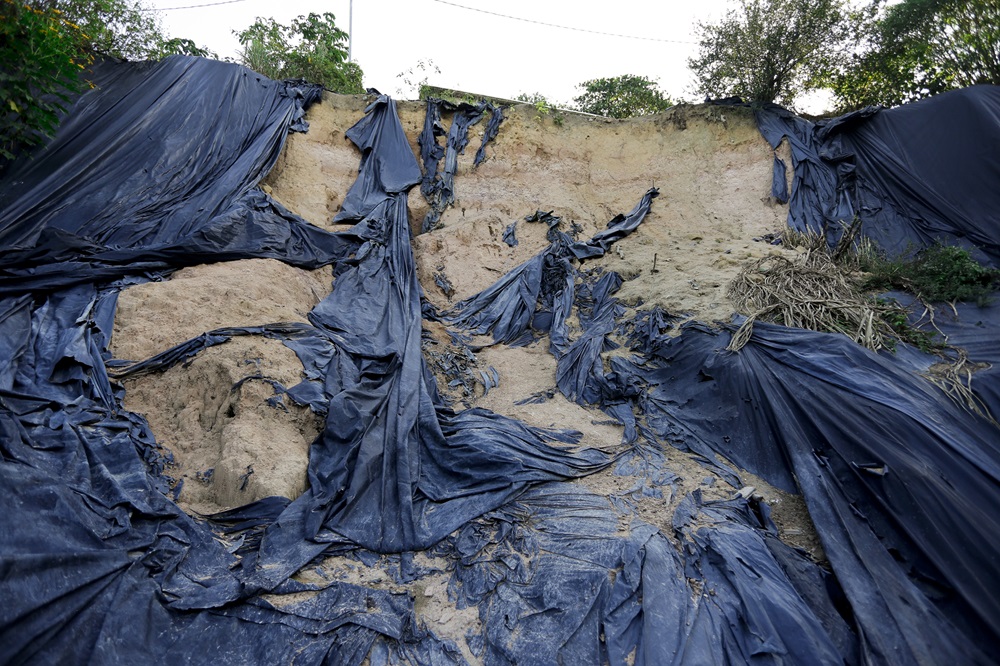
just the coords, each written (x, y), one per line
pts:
(713, 171)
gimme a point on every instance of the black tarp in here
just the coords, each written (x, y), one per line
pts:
(158, 169)
(438, 184)
(913, 174)
(149, 177)
(900, 481)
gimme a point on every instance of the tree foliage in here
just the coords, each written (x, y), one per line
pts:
(40, 63)
(118, 28)
(312, 47)
(125, 29)
(918, 48)
(621, 97)
(769, 50)
(45, 48)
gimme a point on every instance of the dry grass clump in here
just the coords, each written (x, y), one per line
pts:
(814, 293)
(829, 291)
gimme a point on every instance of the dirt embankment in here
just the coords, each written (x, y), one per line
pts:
(710, 164)
(713, 171)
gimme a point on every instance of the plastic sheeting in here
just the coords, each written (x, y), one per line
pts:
(913, 174)
(98, 564)
(81, 212)
(92, 543)
(899, 480)
(439, 188)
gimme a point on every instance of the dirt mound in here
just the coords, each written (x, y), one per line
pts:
(233, 437)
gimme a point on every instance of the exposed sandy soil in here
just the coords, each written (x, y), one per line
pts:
(230, 445)
(156, 316)
(713, 171)
(194, 409)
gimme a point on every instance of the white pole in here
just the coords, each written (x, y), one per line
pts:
(350, 30)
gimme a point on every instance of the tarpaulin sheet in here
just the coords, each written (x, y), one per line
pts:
(151, 172)
(553, 570)
(143, 180)
(900, 481)
(913, 174)
(158, 169)
(438, 186)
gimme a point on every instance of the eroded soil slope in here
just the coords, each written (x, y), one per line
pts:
(713, 171)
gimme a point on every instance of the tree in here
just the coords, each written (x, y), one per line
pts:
(770, 50)
(181, 46)
(919, 48)
(313, 48)
(124, 29)
(45, 49)
(621, 97)
(40, 63)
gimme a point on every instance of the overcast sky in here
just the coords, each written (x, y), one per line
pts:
(481, 52)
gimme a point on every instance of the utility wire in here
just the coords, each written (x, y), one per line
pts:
(207, 4)
(562, 27)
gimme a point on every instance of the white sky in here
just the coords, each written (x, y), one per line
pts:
(479, 52)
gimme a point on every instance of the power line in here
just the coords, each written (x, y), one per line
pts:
(207, 4)
(562, 27)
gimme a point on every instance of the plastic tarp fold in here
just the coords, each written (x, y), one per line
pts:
(393, 471)
(127, 187)
(99, 563)
(158, 169)
(439, 188)
(899, 480)
(914, 174)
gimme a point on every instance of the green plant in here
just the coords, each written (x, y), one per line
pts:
(542, 107)
(937, 273)
(770, 50)
(313, 48)
(181, 46)
(531, 98)
(916, 48)
(40, 66)
(623, 96)
(415, 80)
(898, 320)
(120, 28)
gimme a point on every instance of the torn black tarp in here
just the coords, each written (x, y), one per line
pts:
(913, 174)
(126, 187)
(393, 471)
(553, 571)
(531, 295)
(899, 480)
(98, 563)
(580, 367)
(437, 187)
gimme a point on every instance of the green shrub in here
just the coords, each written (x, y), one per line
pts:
(313, 48)
(937, 273)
